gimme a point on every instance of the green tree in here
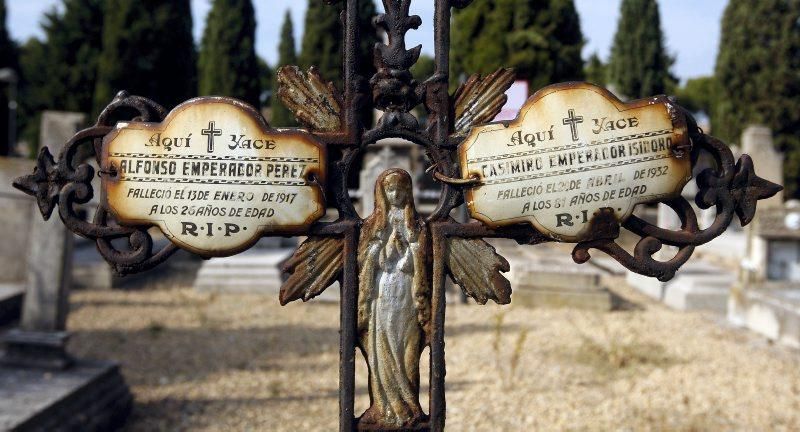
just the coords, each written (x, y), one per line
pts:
(228, 65)
(596, 71)
(265, 78)
(697, 95)
(640, 66)
(287, 55)
(424, 68)
(540, 39)
(8, 59)
(322, 39)
(60, 73)
(758, 76)
(148, 50)
(322, 44)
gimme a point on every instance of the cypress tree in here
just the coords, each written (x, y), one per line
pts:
(148, 50)
(540, 39)
(322, 44)
(697, 95)
(287, 55)
(265, 77)
(8, 59)
(596, 71)
(60, 73)
(758, 76)
(639, 66)
(228, 65)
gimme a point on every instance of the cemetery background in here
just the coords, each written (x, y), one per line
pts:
(200, 351)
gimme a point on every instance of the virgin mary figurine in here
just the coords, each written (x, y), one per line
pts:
(393, 304)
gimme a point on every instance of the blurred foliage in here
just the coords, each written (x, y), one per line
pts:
(323, 43)
(8, 59)
(540, 39)
(228, 65)
(758, 77)
(265, 77)
(697, 95)
(424, 68)
(148, 50)
(60, 72)
(596, 71)
(287, 55)
(639, 66)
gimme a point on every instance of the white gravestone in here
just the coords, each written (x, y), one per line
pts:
(757, 142)
(41, 337)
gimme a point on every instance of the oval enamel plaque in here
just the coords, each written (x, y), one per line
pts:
(213, 176)
(574, 150)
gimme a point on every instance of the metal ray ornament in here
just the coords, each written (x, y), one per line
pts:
(571, 168)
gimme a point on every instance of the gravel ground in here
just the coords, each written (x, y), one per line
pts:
(204, 362)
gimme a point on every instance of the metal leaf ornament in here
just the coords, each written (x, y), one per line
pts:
(476, 267)
(314, 102)
(480, 99)
(315, 266)
(44, 184)
(747, 189)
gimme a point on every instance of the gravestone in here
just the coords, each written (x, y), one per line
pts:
(46, 388)
(390, 153)
(41, 339)
(543, 277)
(17, 210)
(758, 143)
(766, 296)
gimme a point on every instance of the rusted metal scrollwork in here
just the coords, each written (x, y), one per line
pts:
(68, 183)
(731, 189)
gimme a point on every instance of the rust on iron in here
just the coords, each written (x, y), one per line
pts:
(574, 149)
(213, 176)
(314, 102)
(480, 99)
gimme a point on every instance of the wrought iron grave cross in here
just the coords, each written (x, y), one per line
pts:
(539, 178)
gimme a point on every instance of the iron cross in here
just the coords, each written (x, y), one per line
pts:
(573, 123)
(353, 250)
(211, 133)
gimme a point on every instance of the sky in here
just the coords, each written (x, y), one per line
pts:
(691, 27)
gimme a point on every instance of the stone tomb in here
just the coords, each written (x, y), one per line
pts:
(17, 209)
(546, 277)
(704, 284)
(766, 298)
(41, 386)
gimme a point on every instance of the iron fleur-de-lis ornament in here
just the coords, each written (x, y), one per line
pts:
(214, 177)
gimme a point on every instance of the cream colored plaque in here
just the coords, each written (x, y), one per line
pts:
(573, 150)
(214, 177)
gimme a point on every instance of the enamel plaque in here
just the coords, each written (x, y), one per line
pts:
(214, 177)
(574, 150)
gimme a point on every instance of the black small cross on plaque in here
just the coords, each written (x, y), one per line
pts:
(211, 133)
(573, 123)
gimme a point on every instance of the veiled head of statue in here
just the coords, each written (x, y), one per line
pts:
(394, 188)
